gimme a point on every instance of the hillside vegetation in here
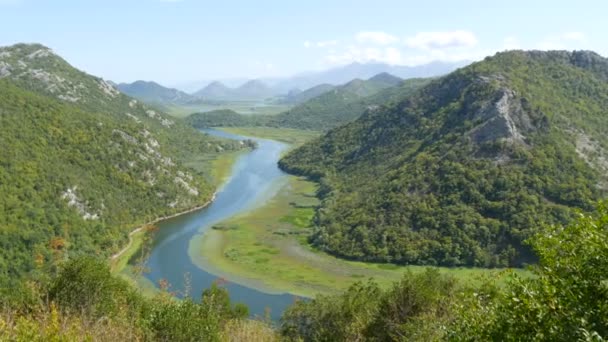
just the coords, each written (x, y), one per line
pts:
(464, 170)
(82, 164)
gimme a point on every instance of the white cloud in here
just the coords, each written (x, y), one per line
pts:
(320, 44)
(376, 37)
(444, 39)
(359, 54)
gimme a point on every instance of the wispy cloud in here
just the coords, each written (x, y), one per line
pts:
(442, 39)
(376, 37)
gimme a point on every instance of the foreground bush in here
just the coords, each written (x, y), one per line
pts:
(85, 302)
(413, 309)
(567, 300)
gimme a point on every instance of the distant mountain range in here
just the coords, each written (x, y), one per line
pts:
(363, 71)
(292, 90)
(250, 90)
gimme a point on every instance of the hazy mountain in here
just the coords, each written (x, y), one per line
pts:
(254, 89)
(154, 93)
(214, 90)
(250, 90)
(462, 171)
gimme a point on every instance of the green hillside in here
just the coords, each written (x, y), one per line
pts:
(82, 164)
(467, 168)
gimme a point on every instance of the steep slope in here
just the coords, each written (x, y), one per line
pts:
(154, 93)
(81, 164)
(463, 170)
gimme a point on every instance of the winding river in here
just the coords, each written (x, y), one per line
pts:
(254, 178)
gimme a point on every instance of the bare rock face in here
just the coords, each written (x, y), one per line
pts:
(502, 119)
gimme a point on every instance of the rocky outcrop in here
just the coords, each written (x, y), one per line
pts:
(502, 119)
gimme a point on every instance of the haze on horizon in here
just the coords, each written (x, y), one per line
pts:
(155, 39)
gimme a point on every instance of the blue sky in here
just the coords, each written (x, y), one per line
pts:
(175, 41)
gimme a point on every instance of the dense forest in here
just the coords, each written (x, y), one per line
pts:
(465, 169)
(81, 164)
(330, 109)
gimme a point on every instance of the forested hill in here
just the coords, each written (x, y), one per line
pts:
(330, 109)
(82, 164)
(465, 169)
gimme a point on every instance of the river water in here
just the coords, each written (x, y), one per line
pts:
(251, 181)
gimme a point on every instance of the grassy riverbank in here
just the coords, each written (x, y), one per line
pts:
(266, 248)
